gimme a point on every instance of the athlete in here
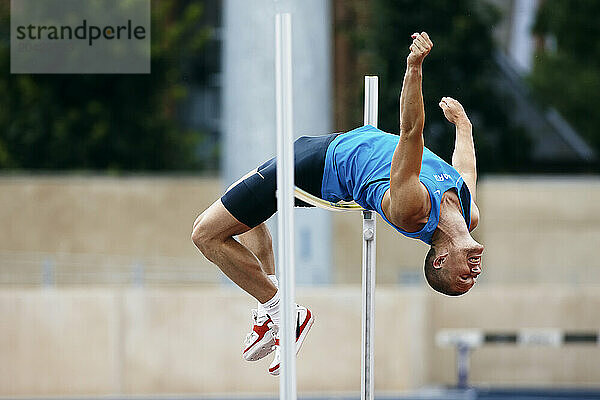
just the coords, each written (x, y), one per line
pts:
(413, 190)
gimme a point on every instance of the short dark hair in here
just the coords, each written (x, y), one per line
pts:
(438, 278)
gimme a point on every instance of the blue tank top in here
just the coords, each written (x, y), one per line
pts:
(357, 167)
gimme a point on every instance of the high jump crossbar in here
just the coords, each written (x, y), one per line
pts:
(466, 340)
(285, 205)
(327, 205)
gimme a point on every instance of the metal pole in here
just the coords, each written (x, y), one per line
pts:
(462, 361)
(368, 263)
(285, 203)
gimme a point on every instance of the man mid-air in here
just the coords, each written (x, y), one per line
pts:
(413, 190)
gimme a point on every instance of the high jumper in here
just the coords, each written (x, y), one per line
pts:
(411, 188)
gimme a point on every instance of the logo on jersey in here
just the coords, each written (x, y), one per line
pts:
(442, 177)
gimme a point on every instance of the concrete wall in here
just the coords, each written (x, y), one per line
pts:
(100, 341)
(541, 230)
(152, 341)
(101, 228)
(541, 271)
(127, 216)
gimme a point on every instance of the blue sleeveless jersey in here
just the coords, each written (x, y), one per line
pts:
(357, 167)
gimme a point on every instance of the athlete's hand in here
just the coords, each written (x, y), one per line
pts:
(420, 47)
(453, 111)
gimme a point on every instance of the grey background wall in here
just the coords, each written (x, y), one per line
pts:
(95, 341)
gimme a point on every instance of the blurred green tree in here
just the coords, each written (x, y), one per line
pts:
(105, 122)
(461, 65)
(566, 71)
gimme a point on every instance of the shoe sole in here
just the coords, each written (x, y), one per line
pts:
(299, 342)
(261, 349)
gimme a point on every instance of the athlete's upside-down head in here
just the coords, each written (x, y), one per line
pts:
(452, 268)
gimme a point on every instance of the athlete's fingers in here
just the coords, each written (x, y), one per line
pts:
(414, 35)
(427, 38)
(455, 104)
(422, 44)
(419, 46)
(417, 49)
(422, 41)
(448, 100)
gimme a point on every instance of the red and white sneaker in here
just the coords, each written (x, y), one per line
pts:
(304, 321)
(260, 341)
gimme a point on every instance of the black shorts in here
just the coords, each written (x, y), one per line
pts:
(253, 201)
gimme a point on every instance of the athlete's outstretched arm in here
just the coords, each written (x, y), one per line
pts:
(463, 158)
(408, 197)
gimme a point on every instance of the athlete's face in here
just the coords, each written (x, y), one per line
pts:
(463, 266)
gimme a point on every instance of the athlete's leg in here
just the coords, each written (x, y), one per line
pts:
(241, 212)
(258, 240)
(213, 234)
(260, 341)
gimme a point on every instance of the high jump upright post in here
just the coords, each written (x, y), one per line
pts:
(368, 262)
(285, 203)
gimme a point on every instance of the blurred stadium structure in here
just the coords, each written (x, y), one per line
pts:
(103, 294)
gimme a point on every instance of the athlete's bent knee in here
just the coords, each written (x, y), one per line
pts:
(203, 237)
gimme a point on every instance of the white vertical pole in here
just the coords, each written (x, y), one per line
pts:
(285, 203)
(368, 263)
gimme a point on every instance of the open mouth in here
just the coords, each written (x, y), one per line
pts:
(475, 265)
(475, 260)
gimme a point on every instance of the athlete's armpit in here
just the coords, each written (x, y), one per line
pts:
(474, 216)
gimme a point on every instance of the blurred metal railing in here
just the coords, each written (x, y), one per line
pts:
(466, 340)
(49, 269)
